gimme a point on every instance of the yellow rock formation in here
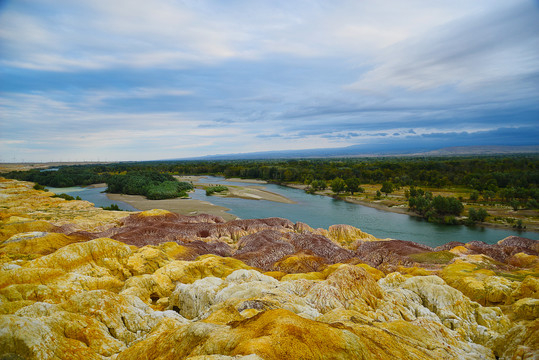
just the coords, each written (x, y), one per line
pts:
(37, 242)
(65, 297)
(345, 235)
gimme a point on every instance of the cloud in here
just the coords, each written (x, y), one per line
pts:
(188, 78)
(98, 34)
(492, 51)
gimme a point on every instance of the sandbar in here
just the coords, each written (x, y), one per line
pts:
(250, 181)
(250, 192)
(180, 206)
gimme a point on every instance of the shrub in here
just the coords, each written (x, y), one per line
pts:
(387, 187)
(519, 224)
(213, 189)
(39, 187)
(532, 204)
(155, 186)
(477, 214)
(318, 185)
(112, 207)
(338, 185)
(352, 185)
(64, 196)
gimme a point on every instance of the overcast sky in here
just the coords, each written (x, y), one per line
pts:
(142, 80)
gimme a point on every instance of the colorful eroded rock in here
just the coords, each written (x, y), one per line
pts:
(78, 282)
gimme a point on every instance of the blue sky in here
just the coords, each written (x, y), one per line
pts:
(142, 80)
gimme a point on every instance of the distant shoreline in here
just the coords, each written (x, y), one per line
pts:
(404, 211)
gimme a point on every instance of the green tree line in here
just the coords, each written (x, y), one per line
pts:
(509, 179)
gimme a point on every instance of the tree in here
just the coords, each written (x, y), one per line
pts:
(387, 187)
(338, 185)
(508, 194)
(352, 185)
(455, 207)
(488, 195)
(477, 214)
(440, 205)
(318, 185)
(532, 204)
(474, 195)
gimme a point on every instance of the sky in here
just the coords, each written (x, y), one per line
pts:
(128, 80)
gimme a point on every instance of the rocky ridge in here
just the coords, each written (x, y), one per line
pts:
(78, 282)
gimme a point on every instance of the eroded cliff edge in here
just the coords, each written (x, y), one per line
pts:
(78, 282)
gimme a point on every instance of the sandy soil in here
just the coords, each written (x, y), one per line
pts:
(194, 207)
(180, 206)
(244, 192)
(189, 178)
(379, 206)
(254, 193)
(250, 181)
(94, 186)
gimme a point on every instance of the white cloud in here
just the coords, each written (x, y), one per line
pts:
(98, 34)
(487, 51)
(207, 76)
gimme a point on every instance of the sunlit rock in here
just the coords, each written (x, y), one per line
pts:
(158, 285)
(526, 309)
(346, 235)
(37, 242)
(529, 288)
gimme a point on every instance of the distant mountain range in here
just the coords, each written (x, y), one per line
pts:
(374, 150)
(483, 150)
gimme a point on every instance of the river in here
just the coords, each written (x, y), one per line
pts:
(322, 211)
(94, 195)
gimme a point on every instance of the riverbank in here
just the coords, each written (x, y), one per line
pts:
(250, 192)
(196, 207)
(371, 204)
(180, 206)
(396, 203)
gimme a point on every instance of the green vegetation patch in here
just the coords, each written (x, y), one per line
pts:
(435, 257)
(210, 190)
(66, 197)
(153, 185)
(112, 207)
(65, 176)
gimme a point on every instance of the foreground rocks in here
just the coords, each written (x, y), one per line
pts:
(80, 283)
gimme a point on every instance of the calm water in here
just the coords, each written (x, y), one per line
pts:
(95, 195)
(322, 212)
